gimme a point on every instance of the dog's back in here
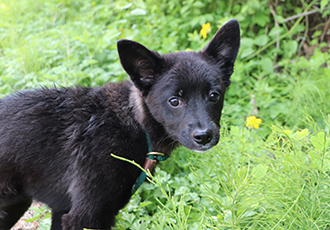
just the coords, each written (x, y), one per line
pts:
(47, 136)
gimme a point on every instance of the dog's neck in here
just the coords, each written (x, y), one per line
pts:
(160, 141)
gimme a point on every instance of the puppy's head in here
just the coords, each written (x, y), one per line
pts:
(185, 91)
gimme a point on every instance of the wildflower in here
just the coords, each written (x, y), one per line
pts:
(252, 121)
(206, 28)
(302, 133)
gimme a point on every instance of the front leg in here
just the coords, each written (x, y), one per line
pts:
(57, 220)
(95, 202)
(97, 210)
(88, 217)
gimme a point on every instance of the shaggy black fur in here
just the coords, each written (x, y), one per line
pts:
(56, 144)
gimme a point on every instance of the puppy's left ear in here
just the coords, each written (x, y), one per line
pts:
(223, 48)
(141, 64)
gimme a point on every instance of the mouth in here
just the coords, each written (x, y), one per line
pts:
(202, 150)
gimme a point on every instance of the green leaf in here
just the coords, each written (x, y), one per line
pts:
(261, 19)
(140, 3)
(235, 131)
(261, 40)
(293, 46)
(137, 12)
(302, 133)
(249, 213)
(184, 9)
(143, 204)
(275, 31)
(319, 140)
(123, 5)
(259, 171)
(246, 52)
(198, 4)
(228, 216)
(317, 33)
(247, 42)
(267, 65)
(279, 18)
(324, 3)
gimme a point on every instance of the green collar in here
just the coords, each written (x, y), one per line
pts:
(149, 164)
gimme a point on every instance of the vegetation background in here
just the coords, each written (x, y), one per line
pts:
(272, 177)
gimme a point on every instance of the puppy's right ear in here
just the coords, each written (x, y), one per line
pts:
(141, 64)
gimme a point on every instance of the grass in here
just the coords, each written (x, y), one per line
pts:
(275, 177)
(243, 183)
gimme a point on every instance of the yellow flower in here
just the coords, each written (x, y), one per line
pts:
(252, 121)
(206, 28)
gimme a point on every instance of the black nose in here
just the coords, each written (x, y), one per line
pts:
(203, 137)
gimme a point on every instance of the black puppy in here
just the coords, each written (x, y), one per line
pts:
(56, 144)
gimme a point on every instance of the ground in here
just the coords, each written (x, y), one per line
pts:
(23, 225)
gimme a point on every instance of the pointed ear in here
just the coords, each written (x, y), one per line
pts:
(223, 48)
(141, 64)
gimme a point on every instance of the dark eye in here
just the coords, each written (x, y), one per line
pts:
(214, 97)
(175, 102)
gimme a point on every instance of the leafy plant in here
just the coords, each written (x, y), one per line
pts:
(43, 215)
(244, 183)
